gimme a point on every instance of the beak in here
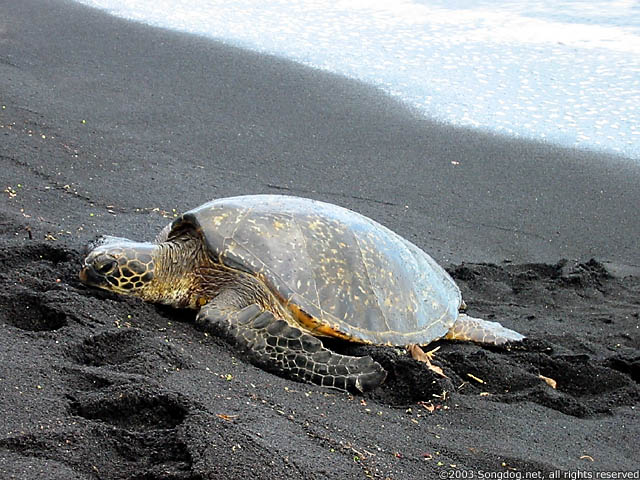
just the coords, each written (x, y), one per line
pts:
(89, 276)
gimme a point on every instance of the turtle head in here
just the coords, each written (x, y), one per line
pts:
(119, 265)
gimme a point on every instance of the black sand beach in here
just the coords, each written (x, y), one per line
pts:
(111, 127)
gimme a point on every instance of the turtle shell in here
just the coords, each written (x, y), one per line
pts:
(339, 269)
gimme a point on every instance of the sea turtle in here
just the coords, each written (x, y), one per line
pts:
(275, 273)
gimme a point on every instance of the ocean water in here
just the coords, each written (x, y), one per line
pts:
(567, 72)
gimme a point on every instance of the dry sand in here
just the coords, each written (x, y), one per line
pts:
(112, 127)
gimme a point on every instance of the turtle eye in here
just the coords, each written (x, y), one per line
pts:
(105, 266)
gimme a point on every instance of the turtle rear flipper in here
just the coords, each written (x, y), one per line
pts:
(472, 329)
(275, 345)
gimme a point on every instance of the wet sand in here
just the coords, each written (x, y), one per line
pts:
(111, 127)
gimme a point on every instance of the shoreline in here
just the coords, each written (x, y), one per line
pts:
(471, 90)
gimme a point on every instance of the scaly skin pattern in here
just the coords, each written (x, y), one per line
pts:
(125, 269)
(282, 348)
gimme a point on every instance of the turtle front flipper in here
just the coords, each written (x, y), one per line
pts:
(275, 345)
(481, 331)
